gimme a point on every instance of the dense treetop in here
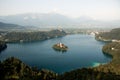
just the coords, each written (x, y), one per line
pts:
(113, 34)
(31, 36)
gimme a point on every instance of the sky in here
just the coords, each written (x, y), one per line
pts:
(96, 9)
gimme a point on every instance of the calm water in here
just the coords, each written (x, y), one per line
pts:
(84, 51)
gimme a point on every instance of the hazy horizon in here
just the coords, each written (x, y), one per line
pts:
(98, 10)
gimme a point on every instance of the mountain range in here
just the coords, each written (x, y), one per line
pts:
(48, 20)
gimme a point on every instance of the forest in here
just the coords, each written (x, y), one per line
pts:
(30, 36)
(14, 69)
(114, 34)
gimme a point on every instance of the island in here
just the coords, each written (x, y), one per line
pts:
(60, 47)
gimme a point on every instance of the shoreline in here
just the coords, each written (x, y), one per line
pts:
(110, 49)
(107, 68)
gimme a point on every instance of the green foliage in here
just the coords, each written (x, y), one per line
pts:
(112, 49)
(31, 36)
(14, 69)
(113, 34)
(88, 74)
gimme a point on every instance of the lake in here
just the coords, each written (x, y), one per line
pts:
(84, 51)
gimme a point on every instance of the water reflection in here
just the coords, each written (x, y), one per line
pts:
(58, 50)
(4, 48)
(107, 55)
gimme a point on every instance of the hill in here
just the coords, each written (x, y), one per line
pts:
(10, 26)
(14, 69)
(31, 36)
(112, 50)
(114, 34)
(88, 74)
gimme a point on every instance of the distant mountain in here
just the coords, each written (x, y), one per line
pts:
(52, 20)
(37, 19)
(9, 26)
